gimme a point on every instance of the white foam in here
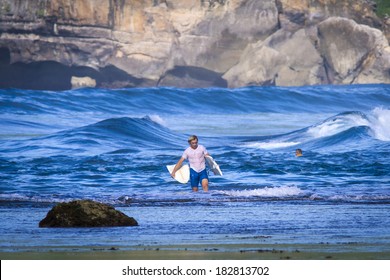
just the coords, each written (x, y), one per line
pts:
(157, 119)
(380, 120)
(337, 124)
(271, 145)
(266, 192)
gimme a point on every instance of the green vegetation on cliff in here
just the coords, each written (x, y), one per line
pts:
(383, 8)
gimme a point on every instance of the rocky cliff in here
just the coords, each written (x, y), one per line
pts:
(59, 44)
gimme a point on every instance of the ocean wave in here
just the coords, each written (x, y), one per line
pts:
(337, 124)
(148, 101)
(344, 129)
(348, 198)
(125, 133)
(284, 191)
(102, 137)
(272, 145)
(148, 129)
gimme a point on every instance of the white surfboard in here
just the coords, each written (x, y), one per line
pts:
(182, 175)
(213, 165)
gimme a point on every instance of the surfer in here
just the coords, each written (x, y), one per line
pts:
(195, 154)
(298, 152)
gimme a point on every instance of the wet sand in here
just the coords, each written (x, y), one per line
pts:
(197, 252)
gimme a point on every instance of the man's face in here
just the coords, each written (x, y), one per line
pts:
(194, 144)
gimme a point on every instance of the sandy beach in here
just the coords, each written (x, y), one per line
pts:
(196, 252)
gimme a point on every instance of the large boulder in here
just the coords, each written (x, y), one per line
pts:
(286, 58)
(85, 213)
(354, 53)
(336, 51)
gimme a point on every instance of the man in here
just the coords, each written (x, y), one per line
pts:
(298, 152)
(195, 154)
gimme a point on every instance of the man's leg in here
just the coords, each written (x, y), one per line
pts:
(194, 177)
(205, 185)
(204, 180)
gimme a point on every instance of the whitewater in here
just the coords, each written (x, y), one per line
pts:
(112, 146)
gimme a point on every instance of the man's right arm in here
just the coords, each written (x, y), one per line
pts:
(177, 166)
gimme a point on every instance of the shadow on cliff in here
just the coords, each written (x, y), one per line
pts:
(52, 75)
(192, 77)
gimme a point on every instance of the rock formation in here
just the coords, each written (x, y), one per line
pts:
(85, 213)
(191, 43)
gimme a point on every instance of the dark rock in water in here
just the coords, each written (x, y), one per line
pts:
(85, 213)
(189, 76)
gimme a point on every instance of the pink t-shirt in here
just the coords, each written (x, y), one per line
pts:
(196, 157)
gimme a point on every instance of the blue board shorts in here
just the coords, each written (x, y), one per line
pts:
(197, 177)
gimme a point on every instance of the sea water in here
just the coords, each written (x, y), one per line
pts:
(112, 146)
